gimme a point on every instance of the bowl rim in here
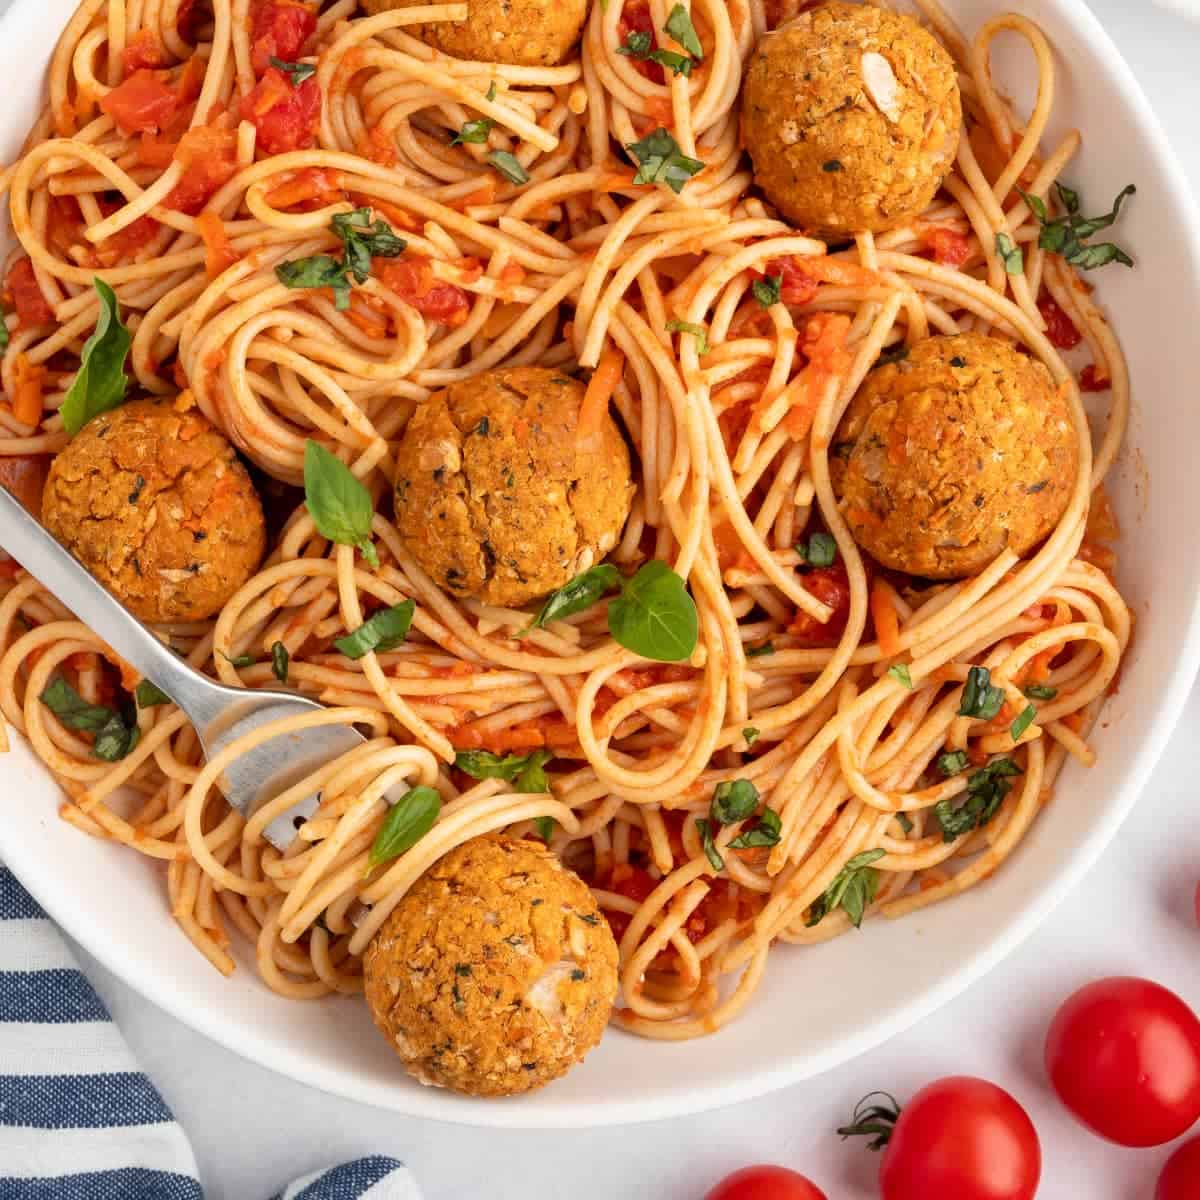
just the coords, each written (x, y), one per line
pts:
(539, 1110)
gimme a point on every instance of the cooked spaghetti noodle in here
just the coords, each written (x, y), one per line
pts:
(577, 267)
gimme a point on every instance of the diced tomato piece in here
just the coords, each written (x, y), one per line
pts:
(636, 18)
(208, 156)
(411, 277)
(129, 240)
(285, 117)
(143, 50)
(279, 30)
(830, 585)
(1060, 329)
(798, 285)
(949, 248)
(22, 288)
(142, 104)
(632, 882)
(1090, 380)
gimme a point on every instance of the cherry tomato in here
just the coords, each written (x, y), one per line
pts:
(765, 1183)
(1180, 1177)
(1124, 1056)
(957, 1139)
(279, 31)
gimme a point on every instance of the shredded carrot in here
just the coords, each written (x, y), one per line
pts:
(27, 403)
(887, 620)
(312, 183)
(218, 253)
(600, 391)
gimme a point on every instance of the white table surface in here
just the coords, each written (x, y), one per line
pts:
(252, 1129)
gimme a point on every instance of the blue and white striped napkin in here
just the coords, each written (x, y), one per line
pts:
(78, 1120)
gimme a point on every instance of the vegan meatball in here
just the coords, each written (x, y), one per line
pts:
(524, 33)
(851, 115)
(497, 497)
(962, 449)
(496, 973)
(155, 503)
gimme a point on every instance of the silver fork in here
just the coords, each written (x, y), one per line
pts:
(218, 713)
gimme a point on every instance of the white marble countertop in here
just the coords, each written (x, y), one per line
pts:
(252, 1129)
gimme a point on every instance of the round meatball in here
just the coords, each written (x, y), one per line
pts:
(496, 973)
(958, 451)
(524, 33)
(851, 115)
(155, 503)
(496, 494)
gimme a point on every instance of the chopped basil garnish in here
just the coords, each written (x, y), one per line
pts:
(508, 166)
(317, 271)
(1023, 721)
(241, 662)
(660, 161)
(578, 594)
(524, 771)
(733, 800)
(3, 331)
(491, 92)
(980, 699)
(654, 615)
(337, 501)
(766, 290)
(640, 45)
(952, 762)
(1010, 254)
(986, 790)
(637, 44)
(149, 695)
(819, 551)
(764, 833)
(710, 847)
(474, 132)
(100, 383)
(1039, 691)
(899, 672)
(544, 827)
(679, 26)
(410, 819)
(853, 889)
(364, 241)
(1067, 235)
(902, 819)
(763, 648)
(115, 733)
(279, 661)
(384, 630)
(750, 734)
(697, 331)
(297, 72)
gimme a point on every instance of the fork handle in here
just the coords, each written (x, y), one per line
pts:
(36, 550)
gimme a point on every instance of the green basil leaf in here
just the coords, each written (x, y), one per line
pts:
(364, 241)
(733, 800)
(677, 64)
(820, 550)
(337, 501)
(544, 826)
(297, 72)
(637, 44)
(1010, 254)
(524, 771)
(242, 660)
(760, 650)
(578, 594)
(750, 734)
(1039, 691)
(1089, 258)
(317, 271)
(384, 630)
(100, 383)
(115, 733)
(904, 822)
(1067, 235)
(3, 331)
(473, 132)
(1023, 721)
(679, 26)
(532, 778)
(1036, 205)
(148, 695)
(1070, 197)
(116, 739)
(765, 833)
(766, 290)
(986, 790)
(410, 819)
(979, 698)
(654, 615)
(710, 847)
(899, 672)
(508, 166)
(853, 889)
(280, 660)
(952, 762)
(660, 161)
(697, 331)
(491, 92)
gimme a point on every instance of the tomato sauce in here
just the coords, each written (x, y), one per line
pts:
(830, 585)
(21, 287)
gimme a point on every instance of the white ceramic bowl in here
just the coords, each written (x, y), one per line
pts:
(821, 1006)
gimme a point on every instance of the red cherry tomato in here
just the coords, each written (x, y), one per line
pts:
(957, 1139)
(1124, 1056)
(1180, 1177)
(765, 1183)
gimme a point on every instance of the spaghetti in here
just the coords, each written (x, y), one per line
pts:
(835, 705)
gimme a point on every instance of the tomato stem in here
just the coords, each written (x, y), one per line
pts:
(873, 1119)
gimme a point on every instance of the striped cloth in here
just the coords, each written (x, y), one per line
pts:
(78, 1120)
